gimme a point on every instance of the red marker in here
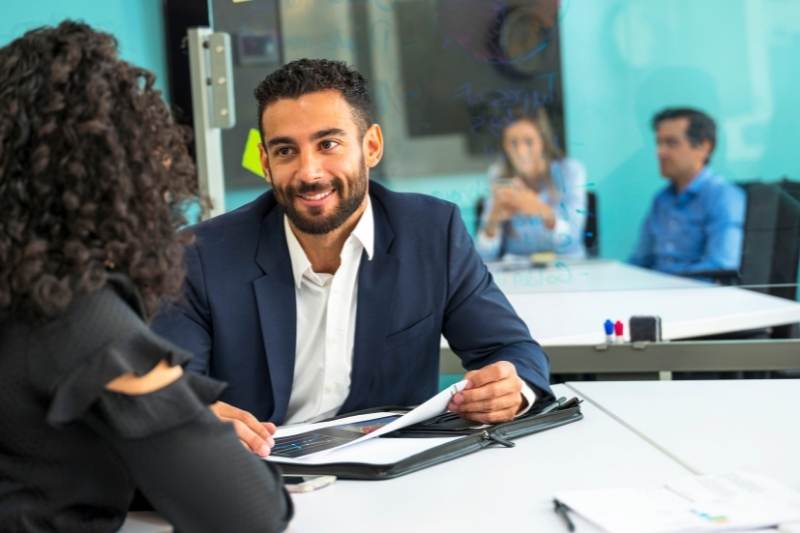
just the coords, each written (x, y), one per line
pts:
(618, 328)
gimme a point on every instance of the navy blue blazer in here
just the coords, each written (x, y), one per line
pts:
(238, 316)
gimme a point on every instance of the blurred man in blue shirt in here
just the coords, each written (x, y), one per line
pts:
(696, 222)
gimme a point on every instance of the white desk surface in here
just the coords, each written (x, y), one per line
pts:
(567, 304)
(494, 489)
(712, 426)
(587, 275)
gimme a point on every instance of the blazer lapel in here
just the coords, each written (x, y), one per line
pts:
(376, 285)
(277, 311)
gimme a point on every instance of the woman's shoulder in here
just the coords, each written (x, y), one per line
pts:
(570, 171)
(567, 165)
(108, 319)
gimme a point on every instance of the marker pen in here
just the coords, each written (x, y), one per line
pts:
(608, 326)
(618, 329)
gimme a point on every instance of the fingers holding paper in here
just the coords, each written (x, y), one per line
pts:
(255, 436)
(493, 394)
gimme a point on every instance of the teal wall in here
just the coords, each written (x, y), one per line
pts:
(623, 60)
(137, 24)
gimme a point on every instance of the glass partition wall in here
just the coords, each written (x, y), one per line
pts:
(446, 75)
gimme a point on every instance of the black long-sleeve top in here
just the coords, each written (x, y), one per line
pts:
(72, 452)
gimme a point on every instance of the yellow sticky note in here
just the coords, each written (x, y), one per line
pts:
(251, 160)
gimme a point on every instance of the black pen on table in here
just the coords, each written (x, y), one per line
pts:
(563, 511)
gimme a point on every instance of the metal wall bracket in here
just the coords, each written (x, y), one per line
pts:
(213, 108)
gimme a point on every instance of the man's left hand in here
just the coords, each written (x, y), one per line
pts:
(493, 394)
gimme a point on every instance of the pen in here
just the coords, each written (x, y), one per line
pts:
(618, 329)
(562, 511)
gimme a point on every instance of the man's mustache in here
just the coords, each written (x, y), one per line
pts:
(315, 187)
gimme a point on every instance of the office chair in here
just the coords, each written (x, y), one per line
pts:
(792, 188)
(771, 247)
(591, 239)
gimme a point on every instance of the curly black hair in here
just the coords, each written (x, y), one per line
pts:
(94, 174)
(304, 76)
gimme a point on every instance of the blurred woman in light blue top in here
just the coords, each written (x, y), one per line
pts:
(538, 198)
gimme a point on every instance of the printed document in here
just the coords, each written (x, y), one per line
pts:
(306, 443)
(734, 501)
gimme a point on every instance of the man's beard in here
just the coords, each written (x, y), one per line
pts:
(318, 225)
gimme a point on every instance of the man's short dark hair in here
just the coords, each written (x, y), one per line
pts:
(305, 76)
(701, 126)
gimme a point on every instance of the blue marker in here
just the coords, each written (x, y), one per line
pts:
(608, 325)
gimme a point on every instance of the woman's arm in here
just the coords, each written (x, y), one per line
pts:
(191, 466)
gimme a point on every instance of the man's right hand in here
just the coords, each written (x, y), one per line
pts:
(256, 436)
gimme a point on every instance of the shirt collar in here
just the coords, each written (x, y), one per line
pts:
(697, 182)
(363, 233)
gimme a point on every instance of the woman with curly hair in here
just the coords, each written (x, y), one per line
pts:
(93, 175)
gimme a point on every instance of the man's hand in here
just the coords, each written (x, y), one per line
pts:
(256, 436)
(493, 394)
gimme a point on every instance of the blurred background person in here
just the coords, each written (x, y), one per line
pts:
(696, 223)
(93, 176)
(538, 198)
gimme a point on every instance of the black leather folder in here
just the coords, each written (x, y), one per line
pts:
(473, 439)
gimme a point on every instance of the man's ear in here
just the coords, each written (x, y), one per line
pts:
(372, 145)
(262, 155)
(706, 147)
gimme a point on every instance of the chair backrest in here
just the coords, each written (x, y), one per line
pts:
(771, 247)
(591, 239)
(479, 203)
(791, 187)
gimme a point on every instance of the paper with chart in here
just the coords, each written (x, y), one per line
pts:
(309, 441)
(734, 501)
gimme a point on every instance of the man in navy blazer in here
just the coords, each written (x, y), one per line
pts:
(329, 293)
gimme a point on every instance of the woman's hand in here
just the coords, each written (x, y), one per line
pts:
(521, 199)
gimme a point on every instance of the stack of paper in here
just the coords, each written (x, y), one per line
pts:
(697, 503)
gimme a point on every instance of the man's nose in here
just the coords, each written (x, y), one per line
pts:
(310, 168)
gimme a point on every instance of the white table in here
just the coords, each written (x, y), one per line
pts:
(571, 307)
(567, 304)
(633, 434)
(503, 489)
(712, 426)
(586, 275)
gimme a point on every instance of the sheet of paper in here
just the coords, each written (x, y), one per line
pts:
(300, 443)
(697, 503)
(294, 429)
(374, 452)
(433, 407)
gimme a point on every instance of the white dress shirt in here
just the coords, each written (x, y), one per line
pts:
(326, 324)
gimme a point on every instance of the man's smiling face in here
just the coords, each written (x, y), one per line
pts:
(313, 154)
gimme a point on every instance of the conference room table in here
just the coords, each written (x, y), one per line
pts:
(711, 426)
(567, 302)
(633, 434)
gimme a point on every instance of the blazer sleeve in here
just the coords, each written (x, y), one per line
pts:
(187, 322)
(479, 323)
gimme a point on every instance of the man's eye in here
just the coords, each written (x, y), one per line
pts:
(283, 151)
(328, 144)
